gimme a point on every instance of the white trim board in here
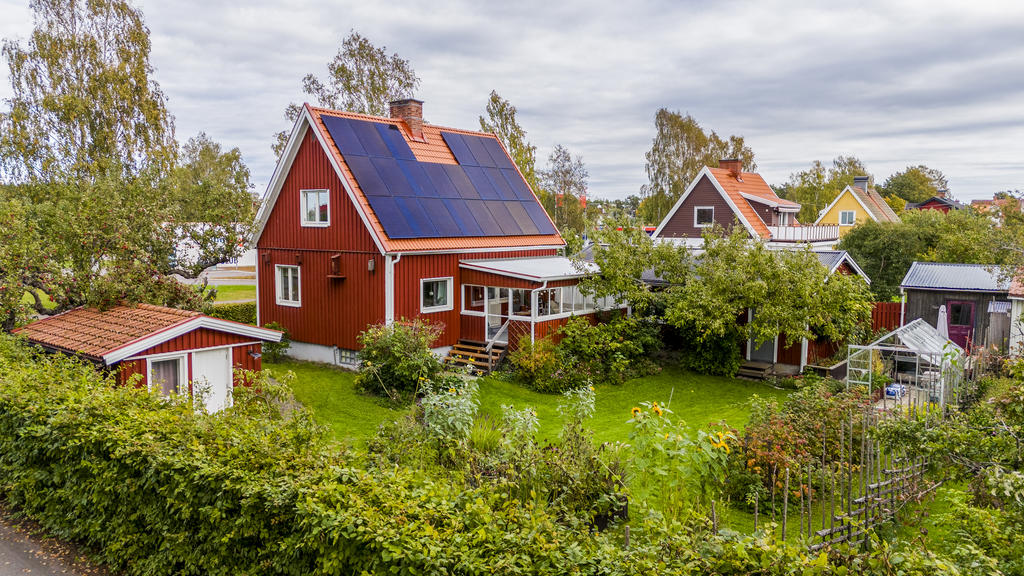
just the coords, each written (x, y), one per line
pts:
(146, 342)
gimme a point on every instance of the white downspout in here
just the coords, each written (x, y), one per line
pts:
(533, 312)
(389, 287)
(903, 307)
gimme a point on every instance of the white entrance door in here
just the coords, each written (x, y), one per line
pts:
(211, 378)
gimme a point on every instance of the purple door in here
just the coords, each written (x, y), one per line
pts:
(961, 321)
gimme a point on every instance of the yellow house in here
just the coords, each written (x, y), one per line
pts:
(856, 204)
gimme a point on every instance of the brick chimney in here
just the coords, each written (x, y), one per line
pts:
(733, 165)
(410, 111)
(861, 182)
(942, 193)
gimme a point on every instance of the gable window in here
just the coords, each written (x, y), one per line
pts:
(316, 207)
(783, 218)
(703, 216)
(436, 294)
(847, 217)
(288, 286)
(167, 376)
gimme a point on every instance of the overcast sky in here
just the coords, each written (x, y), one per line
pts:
(893, 83)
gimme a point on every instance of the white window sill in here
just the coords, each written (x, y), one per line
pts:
(436, 309)
(289, 303)
(305, 224)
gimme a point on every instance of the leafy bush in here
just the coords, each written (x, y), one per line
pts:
(718, 356)
(273, 351)
(396, 358)
(612, 351)
(535, 363)
(244, 312)
(153, 488)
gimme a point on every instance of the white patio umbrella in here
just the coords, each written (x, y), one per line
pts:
(943, 323)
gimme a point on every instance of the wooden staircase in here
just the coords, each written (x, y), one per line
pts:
(475, 356)
(755, 370)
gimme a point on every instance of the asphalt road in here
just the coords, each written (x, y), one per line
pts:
(23, 552)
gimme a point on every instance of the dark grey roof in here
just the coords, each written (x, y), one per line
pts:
(831, 259)
(956, 277)
(940, 199)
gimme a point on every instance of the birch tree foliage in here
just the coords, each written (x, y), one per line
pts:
(83, 103)
(502, 122)
(361, 78)
(564, 183)
(680, 149)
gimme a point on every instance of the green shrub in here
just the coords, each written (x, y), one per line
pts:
(396, 358)
(273, 351)
(612, 351)
(244, 312)
(534, 364)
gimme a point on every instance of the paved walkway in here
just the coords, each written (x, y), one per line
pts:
(24, 552)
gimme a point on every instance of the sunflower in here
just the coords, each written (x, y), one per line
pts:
(636, 412)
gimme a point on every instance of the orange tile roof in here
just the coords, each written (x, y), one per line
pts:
(748, 183)
(94, 333)
(431, 149)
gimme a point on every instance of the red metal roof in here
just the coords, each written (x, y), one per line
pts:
(95, 333)
(431, 149)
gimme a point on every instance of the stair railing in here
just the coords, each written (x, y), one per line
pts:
(490, 345)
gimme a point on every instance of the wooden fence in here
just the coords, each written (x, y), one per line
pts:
(885, 316)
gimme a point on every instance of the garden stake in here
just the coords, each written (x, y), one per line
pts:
(756, 498)
(785, 505)
(714, 518)
(626, 545)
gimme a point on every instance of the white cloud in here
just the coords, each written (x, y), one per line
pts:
(895, 84)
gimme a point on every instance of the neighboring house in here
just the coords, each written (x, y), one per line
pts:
(856, 204)
(372, 220)
(725, 195)
(171, 350)
(976, 300)
(998, 204)
(941, 202)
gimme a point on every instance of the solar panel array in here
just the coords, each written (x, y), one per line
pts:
(483, 195)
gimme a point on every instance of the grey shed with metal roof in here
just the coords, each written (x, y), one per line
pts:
(974, 295)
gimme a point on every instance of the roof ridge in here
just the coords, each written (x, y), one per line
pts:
(372, 118)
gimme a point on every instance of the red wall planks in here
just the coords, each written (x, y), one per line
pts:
(682, 224)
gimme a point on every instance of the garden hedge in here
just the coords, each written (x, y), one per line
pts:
(153, 487)
(244, 312)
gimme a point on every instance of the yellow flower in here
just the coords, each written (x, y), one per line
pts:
(666, 436)
(636, 412)
(656, 408)
(591, 388)
(451, 390)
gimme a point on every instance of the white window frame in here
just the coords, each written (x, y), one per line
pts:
(450, 299)
(278, 292)
(463, 309)
(783, 218)
(181, 357)
(699, 208)
(853, 217)
(303, 211)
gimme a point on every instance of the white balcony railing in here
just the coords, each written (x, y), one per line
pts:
(822, 233)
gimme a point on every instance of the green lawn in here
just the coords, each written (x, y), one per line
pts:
(697, 399)
(235, 292)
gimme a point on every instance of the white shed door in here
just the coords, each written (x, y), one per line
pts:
(211, 378)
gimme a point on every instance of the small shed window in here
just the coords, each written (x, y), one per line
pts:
(289, 286)
(436, 294)
(166, 376)
(316, 209)
(847, 217)
(960, 314)
(704, 216)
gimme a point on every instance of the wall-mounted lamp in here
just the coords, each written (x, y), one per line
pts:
(255, 355)
(371, 265)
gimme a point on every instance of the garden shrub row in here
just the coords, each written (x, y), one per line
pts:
(154, 487)
(244, 312)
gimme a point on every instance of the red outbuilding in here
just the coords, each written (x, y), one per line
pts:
(370, 219)
(173, 351)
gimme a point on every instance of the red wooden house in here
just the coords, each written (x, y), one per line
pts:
(173, 351)
(371, 219)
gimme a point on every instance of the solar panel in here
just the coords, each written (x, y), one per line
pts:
(501, 159)
(440, 217)
(343, 136)
(476, 146)
(483, 195)
(503, 218)
(518, 185)
(459, 149)
(366, 176)
(481, 183)
(370, 138)
(518, 213)
(488, 226)
(395, 142)
(463, 217)
(539, 217)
